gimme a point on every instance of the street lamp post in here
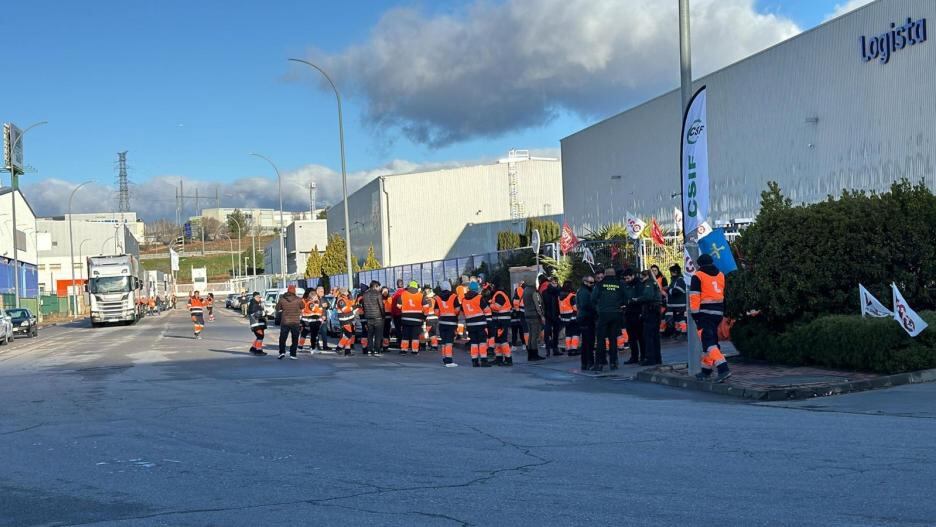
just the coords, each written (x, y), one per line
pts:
(240, 234)
(282, 228)
(14, 185)
(105, 243)
(344, 171)
(233, 265)
(71, 247)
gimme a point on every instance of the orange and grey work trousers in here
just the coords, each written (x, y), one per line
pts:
(410, 336)
(711, 352)
(198, 321)
(258, 337)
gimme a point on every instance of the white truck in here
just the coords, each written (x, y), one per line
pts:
(115, 289)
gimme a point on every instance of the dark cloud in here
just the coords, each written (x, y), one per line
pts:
(499, 67)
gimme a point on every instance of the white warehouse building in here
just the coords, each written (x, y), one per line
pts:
(847, 105)
(425, 216)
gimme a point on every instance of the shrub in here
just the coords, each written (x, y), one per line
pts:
(802, 262)
(507, 240)
(839, 341)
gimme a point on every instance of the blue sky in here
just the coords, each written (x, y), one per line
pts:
(189, 88)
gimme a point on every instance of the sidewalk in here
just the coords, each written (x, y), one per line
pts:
(767, 382)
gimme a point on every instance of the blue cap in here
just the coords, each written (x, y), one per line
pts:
(473, 286)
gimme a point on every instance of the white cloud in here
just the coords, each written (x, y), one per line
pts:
(850, 5)
(156, 197)
(499, 67)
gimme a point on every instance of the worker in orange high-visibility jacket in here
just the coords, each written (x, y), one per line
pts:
(209, 306)
(519, 334)
(196, 307)
(257, 319)
(474, 307)
(707, 305)
(460, 291)
(568, 318)
(501, 310)
(431, 334)
(305, 320)
(412, 315)
(447, 308)
(345, 307)
(388, 318)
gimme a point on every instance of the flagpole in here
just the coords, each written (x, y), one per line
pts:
(694, 357)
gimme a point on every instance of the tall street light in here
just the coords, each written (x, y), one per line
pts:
(240, 234)
(282, 229)
(71, 246)
(344, 171)
(233, 266)
(14, 185)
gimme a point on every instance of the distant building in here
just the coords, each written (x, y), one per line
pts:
(266, 220)
(135, 224)
(438, 214)
(301, 238)
(27, 240)
(91, 235)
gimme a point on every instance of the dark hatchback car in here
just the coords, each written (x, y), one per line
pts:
(24, 322)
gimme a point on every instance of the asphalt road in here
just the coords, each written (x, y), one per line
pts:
(146, 426)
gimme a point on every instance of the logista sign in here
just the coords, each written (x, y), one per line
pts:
(894, 39)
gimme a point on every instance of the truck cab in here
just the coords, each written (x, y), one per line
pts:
(114, 289)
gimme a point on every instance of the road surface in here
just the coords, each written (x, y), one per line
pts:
(145, 426)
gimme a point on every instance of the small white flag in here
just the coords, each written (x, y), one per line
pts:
(634, 226)
(173, 260)
(703, 230)
(906, 317)
(677, 220)
(588, 257)
(870, 306)
(689, 267)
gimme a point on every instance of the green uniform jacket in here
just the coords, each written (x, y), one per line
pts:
(632, 293)
(608, 297)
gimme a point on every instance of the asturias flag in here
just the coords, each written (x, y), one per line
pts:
(715, 245)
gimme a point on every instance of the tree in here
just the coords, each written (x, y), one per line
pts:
(212, 226)
(322, 215)
(334, 261)
(549, 230)
(371, 263)
(507, 240)
(314, 264)
(237, 221)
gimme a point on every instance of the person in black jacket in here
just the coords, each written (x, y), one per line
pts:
(633, 288)
(372, 304)
(608, 297)
(549, 290)
(257, 320)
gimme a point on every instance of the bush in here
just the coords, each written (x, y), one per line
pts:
(507, 240)
(801, 262)
(839, 341)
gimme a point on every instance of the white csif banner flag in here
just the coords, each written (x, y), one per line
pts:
(870, 306)
(635, 226)
(588, 257)
(694, 160)
(906, 317)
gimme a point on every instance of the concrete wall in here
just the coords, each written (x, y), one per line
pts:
(808, 113)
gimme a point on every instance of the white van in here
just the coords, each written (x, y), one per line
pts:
(271, 296)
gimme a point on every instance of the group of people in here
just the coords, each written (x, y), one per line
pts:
(612, 310)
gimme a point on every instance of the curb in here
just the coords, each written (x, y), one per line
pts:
(663, 375)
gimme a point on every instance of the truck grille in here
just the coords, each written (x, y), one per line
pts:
(113, 308)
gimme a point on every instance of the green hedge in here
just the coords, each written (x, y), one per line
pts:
(839, 341)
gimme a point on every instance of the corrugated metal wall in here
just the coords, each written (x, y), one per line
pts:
(808, 113)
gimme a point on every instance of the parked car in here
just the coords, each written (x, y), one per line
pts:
(271, 296)
(24, 322)
(229, 301)
(6, 329)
